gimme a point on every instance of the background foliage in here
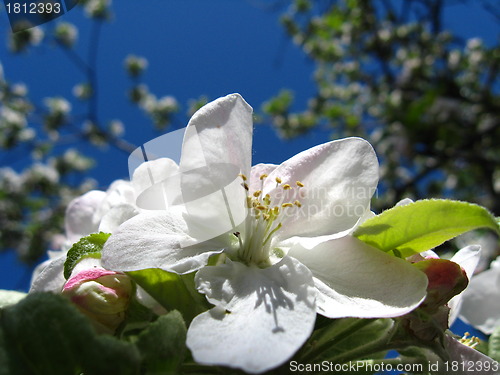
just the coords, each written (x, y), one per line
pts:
(385, 70)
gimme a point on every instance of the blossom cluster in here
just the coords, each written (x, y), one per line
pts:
(269, 248)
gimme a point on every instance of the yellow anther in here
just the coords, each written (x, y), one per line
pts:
(257, 193)
(287, 205)
(261, 207)
(267, 199)
(243, 176)
(249, 202)
(267, 217)
(471, 341)
(262, 176)
(276, 210)
(297, 203)
(299, 184)
(286, 187)
(278, 180)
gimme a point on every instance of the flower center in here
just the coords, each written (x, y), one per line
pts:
(266, 216)
(471, 341)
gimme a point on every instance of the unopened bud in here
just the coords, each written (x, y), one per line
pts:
(446, 280)
(100, 294)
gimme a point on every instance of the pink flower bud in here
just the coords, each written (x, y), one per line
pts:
(100, 294)
(446, 279)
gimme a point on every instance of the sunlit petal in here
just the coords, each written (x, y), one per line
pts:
(157, 240)
(261, 318)
(357, 280)
(339, 179)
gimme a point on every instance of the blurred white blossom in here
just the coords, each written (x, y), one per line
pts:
(66, 33)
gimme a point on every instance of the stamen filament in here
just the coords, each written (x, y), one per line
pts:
(271, 233)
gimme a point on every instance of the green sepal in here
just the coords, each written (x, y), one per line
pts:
(88, 247)
(340, 341)
(163, 344)
(44, 334)
(172, 291)
(423, 225)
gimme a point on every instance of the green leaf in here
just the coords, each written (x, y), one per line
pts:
(422, 225)
(108, 355)
(44, 334)
(172, 291)
(88, 247)
(494, 345)
(346, 340)
(10, 297)
(162, 344)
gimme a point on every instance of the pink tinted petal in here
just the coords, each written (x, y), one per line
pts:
(87, 275)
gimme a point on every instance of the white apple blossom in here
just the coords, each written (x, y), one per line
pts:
(92, 212)
(481, 300)
(463, 359)
(282, 235)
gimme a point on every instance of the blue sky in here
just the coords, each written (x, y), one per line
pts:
(194, 48)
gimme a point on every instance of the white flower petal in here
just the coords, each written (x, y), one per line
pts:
(220, 132)
(51, 278)
(119, 192)
(156, 184)
(117, 216)
(146, 300)
(481, 300)
(157, 240)
(255, 183)
(339, 180)
(262, 317)
(357, 280)
(404, 202)
(153, 172)
(468, 258)
(466, 360)
(86, 264)
(79, 220)
(213, 200)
